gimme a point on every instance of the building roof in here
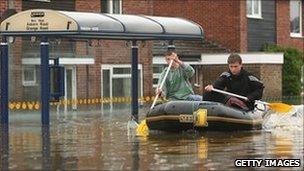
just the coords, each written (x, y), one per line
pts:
(97, 25)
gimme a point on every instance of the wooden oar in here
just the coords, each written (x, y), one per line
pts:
(142, 129)
(162, 84)
(279, 107)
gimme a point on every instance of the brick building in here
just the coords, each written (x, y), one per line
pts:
(101, 68)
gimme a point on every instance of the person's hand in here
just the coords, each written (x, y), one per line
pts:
(175, 58)
(235, 102)
(209, 87)
(158, 91)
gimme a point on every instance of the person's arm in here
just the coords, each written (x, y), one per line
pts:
(187, 69)
(257, 86)
(220, 83)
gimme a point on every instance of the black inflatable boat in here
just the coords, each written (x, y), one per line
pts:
(201, 115)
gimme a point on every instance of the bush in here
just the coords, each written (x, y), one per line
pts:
(293, 60)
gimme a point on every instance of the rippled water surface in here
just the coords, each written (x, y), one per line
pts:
(98, 140)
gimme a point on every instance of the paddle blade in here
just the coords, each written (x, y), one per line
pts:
(142, 129)
(280, 107)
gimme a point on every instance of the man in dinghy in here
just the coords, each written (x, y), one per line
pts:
(177, 85)
(237, 81)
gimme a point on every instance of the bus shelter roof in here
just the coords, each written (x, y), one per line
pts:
(99, 25)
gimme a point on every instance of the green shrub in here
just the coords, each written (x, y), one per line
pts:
(293, 60)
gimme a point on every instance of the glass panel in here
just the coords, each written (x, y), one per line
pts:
(31, 89)
(63, 48)
(249, 7)
(139, 84)
(106, 87)
(54, 86)
(104, 6)
(158, 69)
(116, 6)
(69, 83)
(295, 16)
(29, 73)
(155, 81)
(106, 83)
(69, 89)
(256, 7)
(121, 70)
(121, 88)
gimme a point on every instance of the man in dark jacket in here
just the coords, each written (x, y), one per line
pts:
(237, 81)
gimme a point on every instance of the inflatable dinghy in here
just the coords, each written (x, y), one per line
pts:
(201, 115)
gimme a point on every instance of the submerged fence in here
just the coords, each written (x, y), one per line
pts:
(35, 105)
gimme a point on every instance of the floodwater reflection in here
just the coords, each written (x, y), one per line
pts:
(46, 148)
(4, 147)
(97, 140)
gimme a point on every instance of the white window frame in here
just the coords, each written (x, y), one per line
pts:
(110, 6)
(29, 82)
(111, 67)
(252, 15)
(297, 34)
(74, 86)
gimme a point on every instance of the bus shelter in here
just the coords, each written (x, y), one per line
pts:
(46, 24)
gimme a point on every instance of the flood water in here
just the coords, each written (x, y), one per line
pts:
(98, 140)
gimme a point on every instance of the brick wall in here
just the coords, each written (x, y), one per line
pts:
(3, 7)
(88, 6)
(242, 27)
(88, 76)
(283, 27)
(271, 76)
(224, 22)
(15, 53)
(137, 7)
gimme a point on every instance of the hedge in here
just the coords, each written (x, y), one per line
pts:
(293, 61)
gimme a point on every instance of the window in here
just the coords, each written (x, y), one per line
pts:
(254, 9)
(157, 70)
(116, 83)
(29, 75)
(295, 18)
(111, 6)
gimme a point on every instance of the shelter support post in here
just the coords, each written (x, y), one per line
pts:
(4, 81)
(45, 81)
(134, 85)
